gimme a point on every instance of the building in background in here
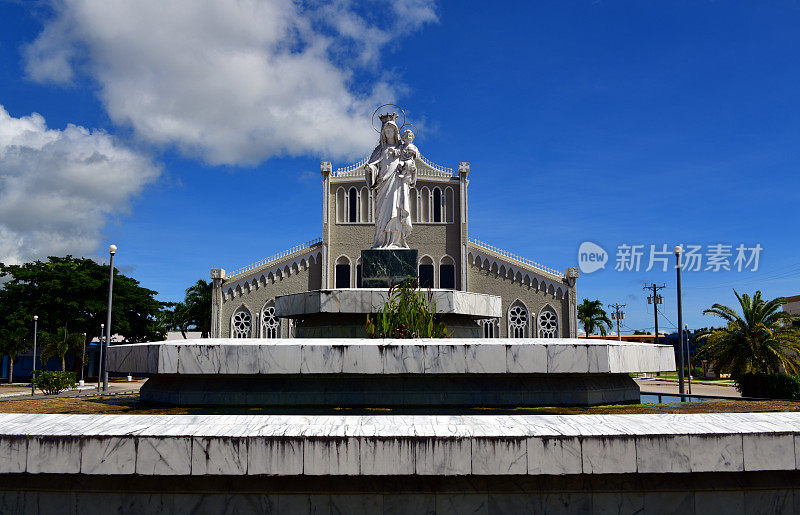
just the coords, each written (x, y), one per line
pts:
(537, 301)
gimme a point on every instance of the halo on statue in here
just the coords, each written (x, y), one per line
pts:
(381, 107)
(406, 125)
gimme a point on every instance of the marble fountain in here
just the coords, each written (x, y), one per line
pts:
(413, 462)
(348, 372)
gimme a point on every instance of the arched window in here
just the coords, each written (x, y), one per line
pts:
(341, 206)
(425, 205)
(449, 204)
(342, 272)
(365, 208)
(518, 320)
(488, 327)
(412, 193)
(241, 323)
(270, 324)
(548, 323)
(426, 272)
(352, 205)
(447, 273)
(437, 205)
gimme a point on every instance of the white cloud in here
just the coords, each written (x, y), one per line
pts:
(58, 187)
(232, 82)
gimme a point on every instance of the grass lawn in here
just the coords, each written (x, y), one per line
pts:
(130, 405)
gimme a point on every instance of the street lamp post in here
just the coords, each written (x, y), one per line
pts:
(678, 250)
(33, 371)
(688, 356)
(83, 360)
(112, 249)
(100, 357)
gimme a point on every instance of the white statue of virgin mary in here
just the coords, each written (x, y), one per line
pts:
(390, 172)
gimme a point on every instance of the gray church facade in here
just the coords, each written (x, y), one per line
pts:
(537, 302)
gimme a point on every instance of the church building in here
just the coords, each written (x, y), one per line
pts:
(537, 301)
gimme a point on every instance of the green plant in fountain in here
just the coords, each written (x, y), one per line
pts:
(409, 313)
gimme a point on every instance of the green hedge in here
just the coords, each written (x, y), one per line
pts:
(53, 382)
(769, 386)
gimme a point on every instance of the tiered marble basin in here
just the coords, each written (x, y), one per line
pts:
(371, 372)
(342, 313)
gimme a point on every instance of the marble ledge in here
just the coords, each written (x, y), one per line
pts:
(391, 356)
(372, 300)
(397, 445)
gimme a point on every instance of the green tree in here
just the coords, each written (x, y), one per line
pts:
(761, 340)
(194, 312)
(73, 292)
(14, 339)
(61, 343)
(593, 317)
(198, 306)
(174, 317)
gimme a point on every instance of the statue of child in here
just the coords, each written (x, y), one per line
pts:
(408, 153)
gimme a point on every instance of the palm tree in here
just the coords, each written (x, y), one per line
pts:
(593, 317)
(198, 306)
(59, 344)
(761, 340)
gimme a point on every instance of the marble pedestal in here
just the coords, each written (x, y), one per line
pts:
(343, 313)
(382, 268)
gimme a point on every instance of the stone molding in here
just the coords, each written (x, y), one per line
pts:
(373, 356)
(292, 445)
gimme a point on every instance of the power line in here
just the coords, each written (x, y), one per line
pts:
(784, 273)
(668, 320)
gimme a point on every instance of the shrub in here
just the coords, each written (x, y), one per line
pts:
(409, 313)
(53, 382)
(770, 386)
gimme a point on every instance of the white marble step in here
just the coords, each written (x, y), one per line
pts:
(397, 445)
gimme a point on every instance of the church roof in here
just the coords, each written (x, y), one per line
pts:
(425, 168)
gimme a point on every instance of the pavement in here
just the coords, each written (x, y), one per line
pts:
(669, 386)
(21, 391)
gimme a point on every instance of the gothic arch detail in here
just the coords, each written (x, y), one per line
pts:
(518, 320)
(548, 322)
(241, 323)
(270, 324)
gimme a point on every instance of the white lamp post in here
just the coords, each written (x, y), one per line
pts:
(688, 357)
(33, 371)
(678, 251)
(83, 358)
(112, 249)
(100, 357)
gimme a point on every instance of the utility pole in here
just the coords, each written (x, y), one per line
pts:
(655, 299)
(617, 315)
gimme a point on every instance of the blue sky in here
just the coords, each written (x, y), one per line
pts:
(611, 122)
